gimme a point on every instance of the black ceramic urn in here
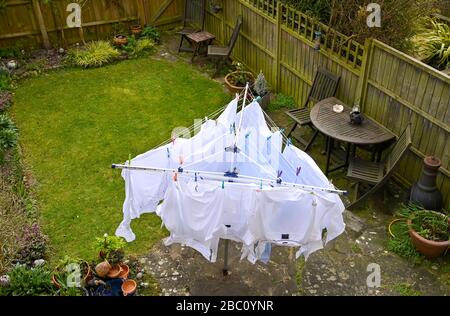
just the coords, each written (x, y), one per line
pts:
(425, 192)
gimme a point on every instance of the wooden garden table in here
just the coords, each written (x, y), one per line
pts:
(200, 40)
(337, 126)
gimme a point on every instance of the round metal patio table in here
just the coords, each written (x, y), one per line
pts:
(337, 126)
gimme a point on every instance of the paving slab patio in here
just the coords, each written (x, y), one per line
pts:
(338, 269)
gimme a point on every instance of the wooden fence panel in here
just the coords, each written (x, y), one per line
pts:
(401, 90)
(100, 19)
(391, 87)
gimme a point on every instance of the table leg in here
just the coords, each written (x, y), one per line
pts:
(326, 146)
(330, 143)
(347, 154)
(196, 47)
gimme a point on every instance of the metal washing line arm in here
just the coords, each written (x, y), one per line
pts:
(217, 176)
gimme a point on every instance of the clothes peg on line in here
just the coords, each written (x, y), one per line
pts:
(289, 141)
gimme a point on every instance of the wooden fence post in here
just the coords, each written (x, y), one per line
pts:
(361, 88)
(224, 26)
(38, 13)
(278, 46)
(142, 12)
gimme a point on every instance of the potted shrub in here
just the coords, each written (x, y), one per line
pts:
(110, 248)
(237, 79)
(429, 232)
(63, 271)
(261, 90)
(136, 29)
(120, 40)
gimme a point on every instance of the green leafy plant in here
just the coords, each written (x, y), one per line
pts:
(5, 79)
(261, 86)
(136, 48)
(131, 44)
(431, 225)
(239, 77)
(282, 101)
(110, 248)
(28, 282)
(62, 274)
(406, 289)
(94, 54)
(8, 132)
(144, 45)
(433, 43)
(401, 244)
(152, 33)
(10, 52)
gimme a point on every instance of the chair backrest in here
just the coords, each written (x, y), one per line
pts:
(324, 86)
(398, 150)
(194, 13)
(234, 36)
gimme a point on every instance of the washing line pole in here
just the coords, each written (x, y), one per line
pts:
(236, 133)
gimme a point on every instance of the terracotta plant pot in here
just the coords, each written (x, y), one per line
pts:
(87, 276)
(102, 269)
(237, 89)
(55, 282)
(429, 248)
(125, 271)
(114, 272)
(129, 287)
(120, 40)
(136, 29)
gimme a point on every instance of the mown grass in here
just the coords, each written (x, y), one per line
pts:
(74, 123)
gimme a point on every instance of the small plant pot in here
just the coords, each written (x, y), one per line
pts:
(237, 89)
(102, 269)
(429, 248)
(125, 271)
(55, 282)
(114, 272)
(87, 275)
(120, 40)
(136, 29)
(129, 287)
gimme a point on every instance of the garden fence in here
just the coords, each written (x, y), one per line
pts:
(390, 86)
(25, 23)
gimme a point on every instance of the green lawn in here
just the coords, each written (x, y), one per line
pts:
(74, 123)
